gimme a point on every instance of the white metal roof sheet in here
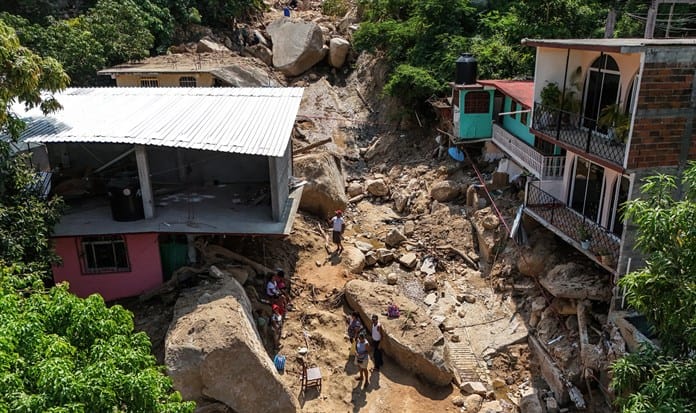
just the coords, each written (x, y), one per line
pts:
(255, 121)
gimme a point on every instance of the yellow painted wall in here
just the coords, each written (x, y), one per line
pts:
(164, 79)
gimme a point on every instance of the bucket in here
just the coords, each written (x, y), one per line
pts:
(286, 11)
(456, 154)
(279, 362)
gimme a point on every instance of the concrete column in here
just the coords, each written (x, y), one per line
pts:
(145, 184)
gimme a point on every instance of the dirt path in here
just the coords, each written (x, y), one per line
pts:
(320, 312)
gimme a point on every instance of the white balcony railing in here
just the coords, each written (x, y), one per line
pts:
(543, 167)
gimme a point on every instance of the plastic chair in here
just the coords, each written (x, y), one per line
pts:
(311, 377)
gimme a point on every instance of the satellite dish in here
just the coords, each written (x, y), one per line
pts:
(456, 154)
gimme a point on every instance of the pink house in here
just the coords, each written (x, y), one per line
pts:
(145, 170)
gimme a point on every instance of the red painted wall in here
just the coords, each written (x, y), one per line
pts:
(145, 274)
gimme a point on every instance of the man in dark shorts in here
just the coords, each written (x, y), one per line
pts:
(338, 228)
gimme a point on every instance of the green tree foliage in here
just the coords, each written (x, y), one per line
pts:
(663, 380)
(68, 41)
(60, 353)
(121, 28)
(430, 34)
(25, 218)
(220, 13)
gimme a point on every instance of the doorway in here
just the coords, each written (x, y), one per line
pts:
(587, 184)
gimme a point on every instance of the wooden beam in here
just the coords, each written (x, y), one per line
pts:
(311, 146)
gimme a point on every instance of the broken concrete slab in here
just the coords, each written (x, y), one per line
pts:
(572, 280)
(474, 387)
(409, 260)
(412, 340)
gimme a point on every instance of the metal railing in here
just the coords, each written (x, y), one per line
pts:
(596, 241)
(579, 132)
(543, 167)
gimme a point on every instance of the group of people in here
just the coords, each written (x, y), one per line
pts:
(276, 290)
(361, 346)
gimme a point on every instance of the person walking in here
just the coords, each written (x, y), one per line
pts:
(377, 334)
(339, 226)
(362, 357)
(354, 328)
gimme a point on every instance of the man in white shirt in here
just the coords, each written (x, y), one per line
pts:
(338, 228)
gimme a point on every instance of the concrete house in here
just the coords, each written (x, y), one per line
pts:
(600, 115)
(210, 69)
(625, 110)
(143, 169)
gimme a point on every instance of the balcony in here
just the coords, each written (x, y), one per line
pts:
(572, 132)
(543, 167)
(603, 246)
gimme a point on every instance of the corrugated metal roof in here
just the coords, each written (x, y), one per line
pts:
(255, 121)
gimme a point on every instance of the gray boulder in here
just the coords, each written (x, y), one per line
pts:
(297, 45)
(212, 346)
(260, 52)
(245, 75)
(445, 191)
(206, 44)
(324, 192)
(353, 259)
(338, 50)
(394, 238)
(377, 187)
(414, 343)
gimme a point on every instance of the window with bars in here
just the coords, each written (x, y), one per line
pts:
(477, 102)
(187, 81)
(103, 254)
(149, 82)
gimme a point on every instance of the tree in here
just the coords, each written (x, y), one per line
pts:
(121, 28)
(25, 218)
(663, 379)
(58, 353)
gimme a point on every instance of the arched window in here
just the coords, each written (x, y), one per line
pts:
(187, 81)
(601, 88)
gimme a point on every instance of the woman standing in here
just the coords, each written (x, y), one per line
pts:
(362, 357)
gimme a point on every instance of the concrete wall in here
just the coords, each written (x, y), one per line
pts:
(164, 79)
(202, 167)
(513, 123)
(280, 170)
(144, 259)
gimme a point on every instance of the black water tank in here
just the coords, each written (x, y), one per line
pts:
(466, 69)
(126, 199)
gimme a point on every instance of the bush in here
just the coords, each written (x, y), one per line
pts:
(334, 7)
(412, 85)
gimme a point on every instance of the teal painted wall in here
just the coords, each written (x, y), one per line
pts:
(475, 125)
(514, 125)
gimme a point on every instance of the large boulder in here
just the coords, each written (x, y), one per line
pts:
(338, 50)
(353, 259)
(297, 45)
(377, 187)
(260, 52)
(445, 191)
(245, 75)
(213, 352)
(572, 280)
(324, 192)
(415, 342)
(206, 45)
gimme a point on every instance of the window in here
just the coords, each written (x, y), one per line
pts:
(149, 82)
(477, 102)
(601, 88)
(187, 81)
(513, 109)
(104, 254)
(523, 117)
